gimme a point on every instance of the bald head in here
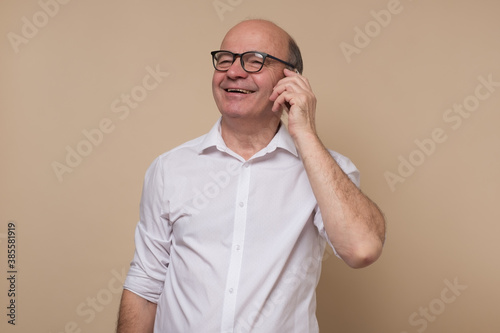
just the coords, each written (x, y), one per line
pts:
(251, 31)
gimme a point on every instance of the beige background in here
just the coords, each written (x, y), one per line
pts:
(75, 232)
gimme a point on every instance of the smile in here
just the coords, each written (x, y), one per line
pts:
(240, 91)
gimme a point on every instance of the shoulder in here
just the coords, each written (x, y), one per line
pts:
(178, 156)
(191, 146)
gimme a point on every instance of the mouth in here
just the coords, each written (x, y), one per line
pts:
(238, 91)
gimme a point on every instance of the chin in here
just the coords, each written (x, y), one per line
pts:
(234, 113)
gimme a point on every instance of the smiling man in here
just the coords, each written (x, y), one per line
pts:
(233, 224)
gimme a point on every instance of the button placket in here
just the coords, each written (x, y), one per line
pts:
(235, 261)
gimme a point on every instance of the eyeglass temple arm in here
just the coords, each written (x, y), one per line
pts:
(286, 63)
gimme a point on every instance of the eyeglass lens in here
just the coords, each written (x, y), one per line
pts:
(252, 61)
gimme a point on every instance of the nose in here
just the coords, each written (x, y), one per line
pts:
(236, 70)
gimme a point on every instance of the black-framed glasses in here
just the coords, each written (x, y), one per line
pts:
(251, 61)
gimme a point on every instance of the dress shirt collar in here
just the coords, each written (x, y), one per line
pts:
(282, 139)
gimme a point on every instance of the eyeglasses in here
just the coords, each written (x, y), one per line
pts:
(251, 61)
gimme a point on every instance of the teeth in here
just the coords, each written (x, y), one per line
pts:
(239, 90)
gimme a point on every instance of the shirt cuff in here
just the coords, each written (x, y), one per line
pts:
(142, 285)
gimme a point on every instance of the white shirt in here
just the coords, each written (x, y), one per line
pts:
(228, 245)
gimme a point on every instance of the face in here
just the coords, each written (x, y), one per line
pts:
(246, 95)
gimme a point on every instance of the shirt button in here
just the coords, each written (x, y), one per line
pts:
(231, 290)
(238, 247)
(241, 204)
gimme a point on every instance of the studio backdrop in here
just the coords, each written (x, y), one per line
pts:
(92, 91)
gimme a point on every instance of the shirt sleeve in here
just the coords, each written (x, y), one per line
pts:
(353, 173)
(152, 238)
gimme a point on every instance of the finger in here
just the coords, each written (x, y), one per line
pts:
(297, 76)
(281, 87)
(282, 100)
(289, 72)
(295, 84)
(278, 103)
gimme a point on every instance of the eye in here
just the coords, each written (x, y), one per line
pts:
(224, 58)
(224, 61)
(254, 58)
(256, 61)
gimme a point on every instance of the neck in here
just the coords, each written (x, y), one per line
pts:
(246, 137)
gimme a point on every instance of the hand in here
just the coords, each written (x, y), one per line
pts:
(294, 94)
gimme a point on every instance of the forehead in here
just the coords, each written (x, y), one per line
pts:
(256, 36)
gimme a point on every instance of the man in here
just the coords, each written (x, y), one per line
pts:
(233, 224)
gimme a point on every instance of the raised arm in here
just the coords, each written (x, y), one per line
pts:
(354, 224)
(136, 315)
